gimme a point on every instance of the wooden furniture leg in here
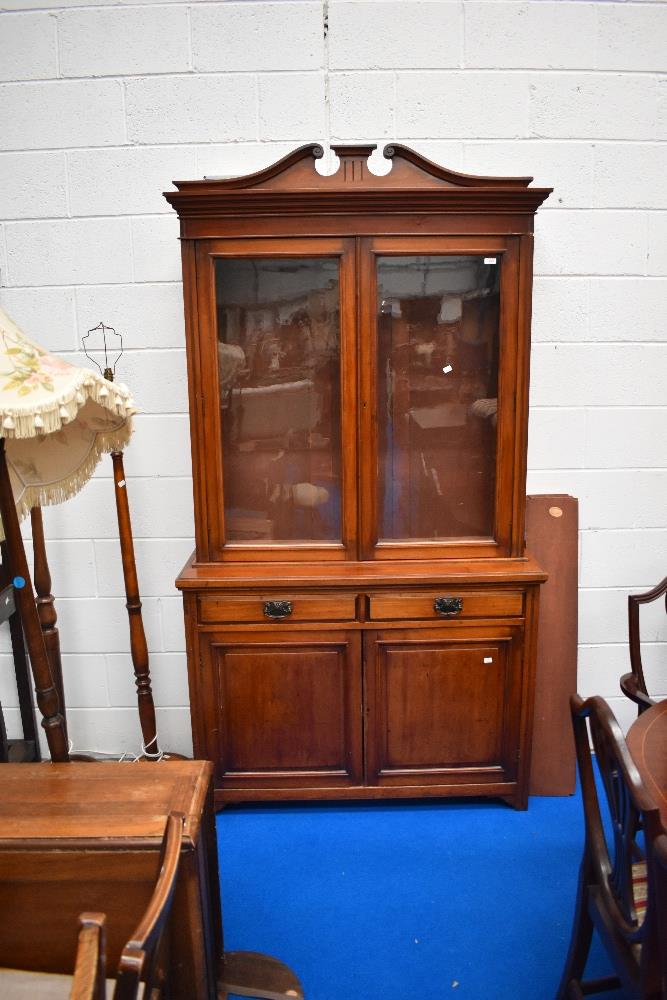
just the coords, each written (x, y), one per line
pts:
(47, 695)
(46, 606)
(252, 974)
(26, 748)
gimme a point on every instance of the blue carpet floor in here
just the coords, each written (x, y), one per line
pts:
(416, 901)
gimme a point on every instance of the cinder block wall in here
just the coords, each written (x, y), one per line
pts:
(105, 103)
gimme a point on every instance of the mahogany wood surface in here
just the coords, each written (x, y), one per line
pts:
(647, 743)
(205, 576)
(552, 536)
(385, 688)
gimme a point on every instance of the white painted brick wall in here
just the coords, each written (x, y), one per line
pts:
(103, 104)
(28, 47)
(127, 42)
(242, 37)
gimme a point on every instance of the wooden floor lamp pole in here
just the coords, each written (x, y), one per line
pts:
(138, 645)
(24, 597)
(46, 606)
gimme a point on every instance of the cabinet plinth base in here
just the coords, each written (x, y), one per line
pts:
(508, 792)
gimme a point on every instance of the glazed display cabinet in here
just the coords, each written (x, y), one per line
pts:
(360, 611)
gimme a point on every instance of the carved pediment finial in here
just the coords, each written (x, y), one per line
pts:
(294, 178)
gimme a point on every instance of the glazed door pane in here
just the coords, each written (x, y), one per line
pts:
(278, 323)
(437, 396)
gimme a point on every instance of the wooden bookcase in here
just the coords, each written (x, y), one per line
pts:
(360, 610)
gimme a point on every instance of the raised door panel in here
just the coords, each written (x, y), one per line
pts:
(442, 710)
(289, 709)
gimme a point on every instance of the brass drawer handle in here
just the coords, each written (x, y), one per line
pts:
(448, 606)
(277, 609)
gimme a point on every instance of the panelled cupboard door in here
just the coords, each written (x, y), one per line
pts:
(274, 428)
(441, 355)
(287, 708)
(442, 709)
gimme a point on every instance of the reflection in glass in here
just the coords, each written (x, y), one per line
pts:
(437, 396)
(279, 373)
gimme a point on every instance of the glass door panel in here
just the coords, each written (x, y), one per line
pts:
(279, 377)
(437, 322)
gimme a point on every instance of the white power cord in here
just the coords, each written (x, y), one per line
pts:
(125, 758)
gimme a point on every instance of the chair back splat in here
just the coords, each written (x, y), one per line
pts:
(633, 684)
(622, 891)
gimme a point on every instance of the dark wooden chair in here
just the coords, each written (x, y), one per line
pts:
(633, 684)
(143, 965)
(622, 891)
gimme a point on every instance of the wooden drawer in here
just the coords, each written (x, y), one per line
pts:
(272, 608)
(473, 604)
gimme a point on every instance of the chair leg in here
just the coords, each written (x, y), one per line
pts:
(580, 941)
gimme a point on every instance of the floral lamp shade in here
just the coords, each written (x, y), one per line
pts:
(57, 420)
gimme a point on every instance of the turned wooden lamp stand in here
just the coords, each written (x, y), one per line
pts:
(138, 644)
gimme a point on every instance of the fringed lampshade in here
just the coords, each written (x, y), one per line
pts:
(57, 420)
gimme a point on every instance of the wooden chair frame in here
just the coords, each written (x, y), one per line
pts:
(605, 900)
(141, 958)
(88, 982)
(633, 684)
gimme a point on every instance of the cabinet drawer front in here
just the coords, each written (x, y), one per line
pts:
(477, 604)
(272, 608)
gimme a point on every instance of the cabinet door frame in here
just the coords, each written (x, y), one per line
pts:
(512, 408)
(347, 642)
(206, 420)
(509, 638)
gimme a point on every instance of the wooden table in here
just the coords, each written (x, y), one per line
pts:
(647, 743)
(77, 837)
(87, 836)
